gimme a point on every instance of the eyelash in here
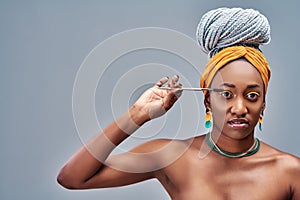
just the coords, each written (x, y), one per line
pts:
(251, 93)
(226, 92)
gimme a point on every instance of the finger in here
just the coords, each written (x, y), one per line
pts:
(170, 100)
(172, 97)
(179, 85)
(178, 93)
(173, 81)
(162, 81)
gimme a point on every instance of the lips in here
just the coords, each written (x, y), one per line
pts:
(238, 123)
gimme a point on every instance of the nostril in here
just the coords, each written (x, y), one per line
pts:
(242, 115)
(240, 112)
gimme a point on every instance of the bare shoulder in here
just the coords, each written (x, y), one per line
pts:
(285, 161)
(281, 166)
(288, 166)
(283, 158)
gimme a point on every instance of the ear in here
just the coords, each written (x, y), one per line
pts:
(263, 107)
(207, 101)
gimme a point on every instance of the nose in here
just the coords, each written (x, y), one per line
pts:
(239, 107)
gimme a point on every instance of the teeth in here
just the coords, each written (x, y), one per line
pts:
(238, 122)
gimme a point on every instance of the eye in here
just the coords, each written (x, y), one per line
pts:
(226, 94)
(253, 96)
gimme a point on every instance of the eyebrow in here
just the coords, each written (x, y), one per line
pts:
(253, 86)
(233, 86)
(228, 85)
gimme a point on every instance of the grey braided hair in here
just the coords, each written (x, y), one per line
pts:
(223, 27)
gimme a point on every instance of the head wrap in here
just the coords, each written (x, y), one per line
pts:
(227, 34)
(254, 56)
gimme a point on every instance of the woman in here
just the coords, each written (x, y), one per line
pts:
(233, 164)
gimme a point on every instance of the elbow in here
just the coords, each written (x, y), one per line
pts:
(61, 181)
(66, 181)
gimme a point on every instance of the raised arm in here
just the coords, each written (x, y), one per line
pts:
(90, 166)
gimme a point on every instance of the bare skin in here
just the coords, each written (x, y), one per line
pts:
(268, 174)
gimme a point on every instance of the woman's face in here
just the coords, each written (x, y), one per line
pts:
(236, 110)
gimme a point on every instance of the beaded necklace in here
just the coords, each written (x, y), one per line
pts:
(252, 150)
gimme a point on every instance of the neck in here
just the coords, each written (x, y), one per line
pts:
(232, 144)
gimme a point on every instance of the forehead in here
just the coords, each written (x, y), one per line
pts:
(239, 72)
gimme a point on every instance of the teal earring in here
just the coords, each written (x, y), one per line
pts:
(207, 119)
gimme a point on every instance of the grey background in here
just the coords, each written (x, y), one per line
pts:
(43, 43)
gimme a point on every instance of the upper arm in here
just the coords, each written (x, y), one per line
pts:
(109, 176)
(137, 165)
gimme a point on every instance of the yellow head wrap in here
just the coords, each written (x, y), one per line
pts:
(254, 56)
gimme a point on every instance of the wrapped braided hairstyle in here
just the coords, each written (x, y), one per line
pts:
(227, 34)
(224, 27)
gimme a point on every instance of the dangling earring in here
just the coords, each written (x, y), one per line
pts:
(207, 119)
(260, 121)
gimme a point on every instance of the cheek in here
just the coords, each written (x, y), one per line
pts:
(255, 108)
(219, 117)
(255, 111)
(219, 111)
(218, 105)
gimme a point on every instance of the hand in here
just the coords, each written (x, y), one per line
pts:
(154, 102)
